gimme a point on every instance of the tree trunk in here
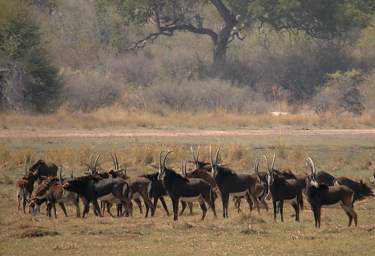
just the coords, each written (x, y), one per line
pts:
(220, 52)
(219, 57)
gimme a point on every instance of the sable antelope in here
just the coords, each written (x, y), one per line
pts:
(43, 169)
(157, 190)
(231, 183)
(92, 187)
(261, 189)
(282, 189)
(179, 187)
(320, 194)
(139, 187)
(323, 177)
(25, 186)
(360, 189)
(201, 165)
(183, 202)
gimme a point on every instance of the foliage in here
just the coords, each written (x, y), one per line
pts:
(342, 93)
(27, 79)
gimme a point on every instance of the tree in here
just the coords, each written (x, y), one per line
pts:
(318, 18)
(27, 80)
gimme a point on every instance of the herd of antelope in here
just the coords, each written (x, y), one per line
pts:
(204, 183)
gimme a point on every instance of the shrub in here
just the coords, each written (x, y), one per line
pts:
(199, 95)
(89, 91)
(27, 80)
(341, 93)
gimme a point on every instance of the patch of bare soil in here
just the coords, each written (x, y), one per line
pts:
(100, 133)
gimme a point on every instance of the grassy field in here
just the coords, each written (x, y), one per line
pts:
(241, 234)
(118, 117)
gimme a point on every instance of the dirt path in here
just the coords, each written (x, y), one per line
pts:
(99, 133)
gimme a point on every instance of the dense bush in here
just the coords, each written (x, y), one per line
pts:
(89, 91)
(197, 96)
(341, 93)
(27, 80)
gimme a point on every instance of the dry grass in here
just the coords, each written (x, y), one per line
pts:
(118, 117)
(241, 234)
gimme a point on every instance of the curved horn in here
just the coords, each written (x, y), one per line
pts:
(217, 154)
(60, 176)
(160, 164)
(114, 162)
(273, 161)
(25, 164)
(257, 167)
(312, 165)
(268, 167)
(96, 160)
(211, 159)
(193, 153)
(182, 167)
(185, 169)
(197, 156)
(165, 158)
(117, 165)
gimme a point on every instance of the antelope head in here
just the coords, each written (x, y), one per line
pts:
(162, 165)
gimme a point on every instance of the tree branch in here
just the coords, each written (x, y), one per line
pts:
(169, 31)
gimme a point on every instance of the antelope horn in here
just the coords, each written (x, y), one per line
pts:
(257, 167)
(273, 161)
(160, 164)
(185, 169)
(117, 165)
(211, 159)
(265, 158)
(60, 176)
(90, 161)
(312, 165)
(71, 175)
(114, 162)
(197, 154)
(217, 154)
(165, 158)
(182, 167)
(25, 163)
(96, 161)
(192, 152)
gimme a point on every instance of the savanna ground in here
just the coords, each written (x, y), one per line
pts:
(345, 153)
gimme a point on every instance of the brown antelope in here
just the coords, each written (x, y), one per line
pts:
(52, 192)
(25, 186)
(319, 195)
(139, 188)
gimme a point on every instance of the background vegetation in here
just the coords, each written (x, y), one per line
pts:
(73, 55)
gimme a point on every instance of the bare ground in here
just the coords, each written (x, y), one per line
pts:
(100, 133)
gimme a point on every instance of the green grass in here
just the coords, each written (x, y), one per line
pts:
(241, 234)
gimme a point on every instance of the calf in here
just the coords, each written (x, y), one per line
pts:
(52, 192)
(25, 187)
